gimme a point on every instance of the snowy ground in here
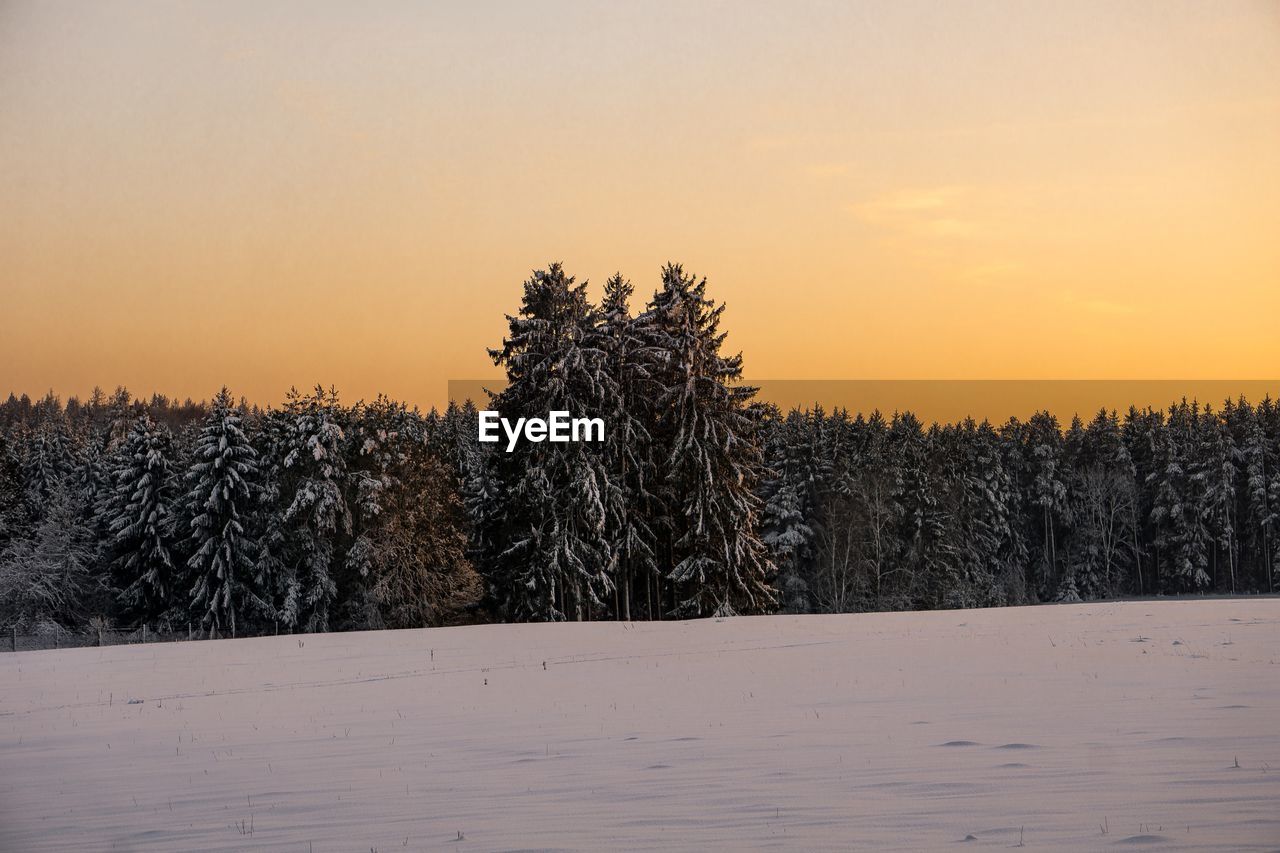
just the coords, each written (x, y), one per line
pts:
(1074, 727)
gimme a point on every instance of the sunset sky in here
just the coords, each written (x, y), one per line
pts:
(268, 194)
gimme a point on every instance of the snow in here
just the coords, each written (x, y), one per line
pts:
(1066, 727)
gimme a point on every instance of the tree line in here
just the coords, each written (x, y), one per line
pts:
(700, 501)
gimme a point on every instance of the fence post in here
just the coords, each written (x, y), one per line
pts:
(15, 638)
(57, 637)
(144, 632)
(188, 632)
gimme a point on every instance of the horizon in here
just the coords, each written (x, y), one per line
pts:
(932, 401)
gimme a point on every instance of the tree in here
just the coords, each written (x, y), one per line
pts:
(141, 518)
(925, 553)
(789, 505)
(629, 364)
(47, 459)
(48, 576)
(1048, 491)
(853, 537)
(1216, 456)
(315, 514)
(1261, 487)
(409, 550)
(1179, 510)
(14, 516)
(708, 444)
(1141, 433)
(551, 557)
(1103, 494)
(976, 491)
(218, 499)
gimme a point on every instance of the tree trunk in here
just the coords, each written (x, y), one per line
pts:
(626, 594)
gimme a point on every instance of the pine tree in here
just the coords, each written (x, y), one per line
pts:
(47, 576)
(852, 526)
(1103, 494)
(1179, 512)
(409, 549)
(1217, 455)
(1262, 488)
(629, 364)
(551, 558)
(1048, 491)
(142, 518)
(14, 517)
(315, 514)
(709, 448)
(862, 516)
(1141, 433)
(273, 575)
(452, 438)
(925, 553)
(788, 493)
(976, 494)
(218, 500)
(47, 459)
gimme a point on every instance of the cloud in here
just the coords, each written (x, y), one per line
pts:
(990, 272)
(1106, 307)
(929, 212)
(1103, 306)
(828, 170)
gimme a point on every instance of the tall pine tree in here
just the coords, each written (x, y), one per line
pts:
(710, 454)
(142, 519)
(219, 498)
(552, 557)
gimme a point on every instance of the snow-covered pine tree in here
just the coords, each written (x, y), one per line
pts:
(1103, 493)
(788, 493)
(451, 436)
(973, 490)
(14, 517)
(141, 513)
(374, 455)
(925, 553)
(1178, 512)
(1262, 489)
(1268, 413)
(274, 576)
(551, 558)
(1141, 432)
(408, 557)
(999, 504)
(859, 548)
(315, 512)
(706, 433)
(47, 575)
(93, 479)
(120, 414)
(628, 411)
(1217, 456)
(219, 499)
(842, 545)
(47, 458)
(1048, 493)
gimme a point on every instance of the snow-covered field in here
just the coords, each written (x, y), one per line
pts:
(1075, 727)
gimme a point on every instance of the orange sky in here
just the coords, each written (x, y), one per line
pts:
(276, 194)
